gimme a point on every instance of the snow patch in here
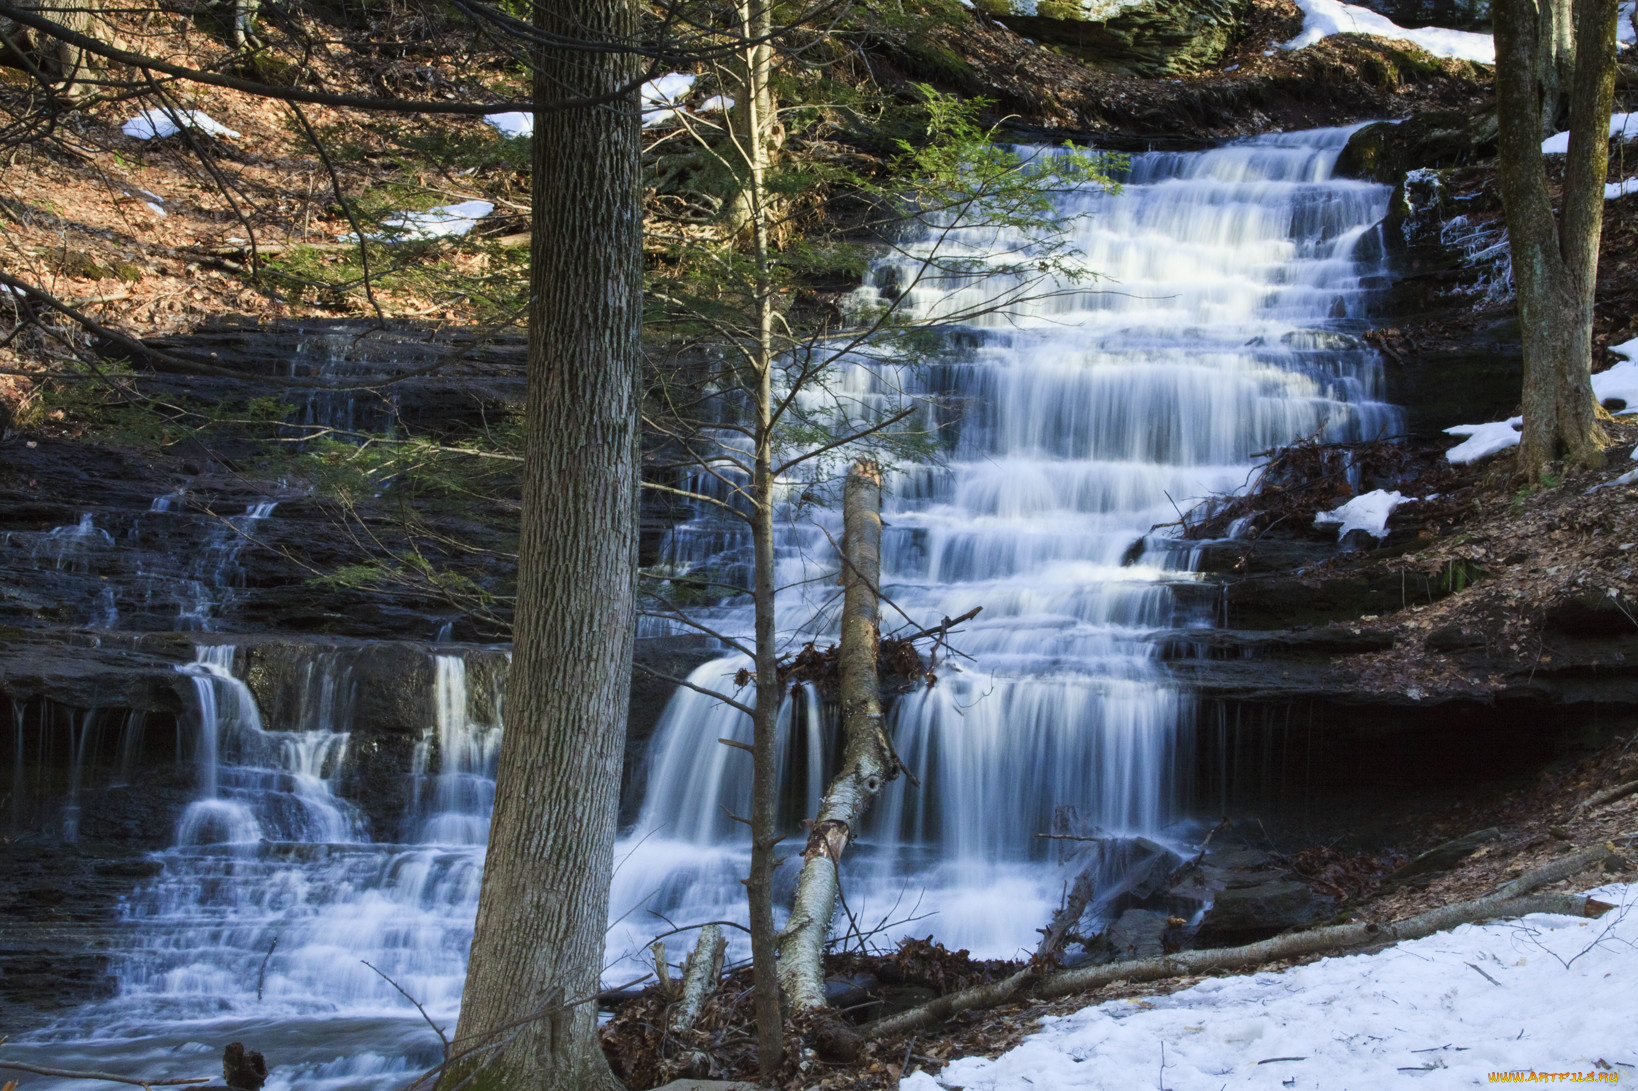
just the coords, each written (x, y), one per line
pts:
(717, 104)
(1483, 440)
(662, 97)
(435, 223)
(1545, 992)
(511, 125)
(1620, 383)
(156, 124)
(1624, 126)
(1323, 18)
(1612, 190)
(1368, 512)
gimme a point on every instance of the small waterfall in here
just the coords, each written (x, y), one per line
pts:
(1233, 286)
(274, 896)
(256, 784)
(462, 793)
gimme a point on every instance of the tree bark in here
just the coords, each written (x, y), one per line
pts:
(538, 944)
(865, 765)
(62, 62)
(1555, 260)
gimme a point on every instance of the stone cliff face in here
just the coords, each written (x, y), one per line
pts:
(1133, 37)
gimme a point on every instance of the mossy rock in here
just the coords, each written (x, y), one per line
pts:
(1138, 37)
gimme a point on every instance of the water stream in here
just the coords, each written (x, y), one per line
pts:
(1237, 281)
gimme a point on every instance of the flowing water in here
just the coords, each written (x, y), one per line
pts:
(1237, 281)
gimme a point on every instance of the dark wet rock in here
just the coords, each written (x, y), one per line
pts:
(243, 1069)
(1136, 37)
(1471, 15)
(1386, 151)
(1442, 858)
(1243, 914)
(1288, 601)
(1594, 614)
(1138, 933)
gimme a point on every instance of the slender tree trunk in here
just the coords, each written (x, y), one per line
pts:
(864, 757)
(1555, 259)
(769, 692)
(537, 949)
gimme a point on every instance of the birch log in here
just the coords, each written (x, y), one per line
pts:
(701, 973)
(864, 754)
(1338, 937)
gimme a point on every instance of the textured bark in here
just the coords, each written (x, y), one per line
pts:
(537, 949)
(1555, 259)
(864, 755)
(1295, 945)
(61, 62)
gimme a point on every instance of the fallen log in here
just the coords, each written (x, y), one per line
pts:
(1188, 963)
(1554, 870)
(107, 1077)
(701, 974)
(865, 763)
(1609, 795)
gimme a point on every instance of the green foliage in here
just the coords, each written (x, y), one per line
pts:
(1459, 575)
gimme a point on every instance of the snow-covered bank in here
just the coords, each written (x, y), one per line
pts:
(1323, 18)
(1548, 994)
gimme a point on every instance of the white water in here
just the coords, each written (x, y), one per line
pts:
(1235, 279)
(276, 895)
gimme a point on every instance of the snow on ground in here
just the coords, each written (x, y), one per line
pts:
(1368, 512)
(1323, 18)
(152, 124)
(1483, 440)
(514, 124)
(1549, 994)
(1620, 381)
(1624, 126)
(662, 97)
(1612, 190)
(434, 223)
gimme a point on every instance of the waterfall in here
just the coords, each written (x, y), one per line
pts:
(1235, 284)
(1231, 289)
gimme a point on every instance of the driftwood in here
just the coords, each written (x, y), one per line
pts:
(1295, 945)
(1562, 868)
(106, 1077)
(1075, 903)
(1609, 795)
(865, 762)
(701, 973)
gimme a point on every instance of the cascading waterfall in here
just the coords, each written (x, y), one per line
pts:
(1232, 286)
(1237, 281)
(275, 895)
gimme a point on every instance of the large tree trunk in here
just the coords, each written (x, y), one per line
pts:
(1555, 259)
(864, 756)
(538, 946)
(54, 60)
